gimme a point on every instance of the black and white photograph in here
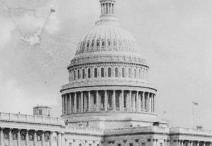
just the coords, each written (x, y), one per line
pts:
(105, 73)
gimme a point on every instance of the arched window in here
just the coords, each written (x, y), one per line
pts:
(88, 44)
(92, 43)
(74, 75)
(109, 72)
(95, 72)
(89, 73)
(103, 43)
(98, 43)
(102, 72)
(79, 74)
(116, 72)
(108, 42)
(83, 73)
(123, 73)
(129, 73)
(135, 73)
(139, 73)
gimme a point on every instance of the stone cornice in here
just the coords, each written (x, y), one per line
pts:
(111, 85)
(93, 58)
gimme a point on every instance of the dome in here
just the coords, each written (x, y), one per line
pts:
(107, 38)
(107, 41)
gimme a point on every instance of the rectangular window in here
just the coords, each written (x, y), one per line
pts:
(95, 73)
(83, 73)
(102, 72)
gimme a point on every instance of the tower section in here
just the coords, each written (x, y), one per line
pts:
(108, 79)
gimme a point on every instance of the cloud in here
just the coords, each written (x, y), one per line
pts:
(5, 32)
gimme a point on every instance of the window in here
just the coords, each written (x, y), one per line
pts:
(116, 72)
(89, 73)
(15, 136)
(92, 43)
(139, 73)
(109, 43)
(83, 73)
(95, 73)
(123, 73)
(98, 43)
(135, 73)
(31, 137)
(102, 72)
(74, 75)
(40, 112)
(79, 74)
(103, 43)
(88, 44)
(23, 136)
(109, 72)
(129, 73)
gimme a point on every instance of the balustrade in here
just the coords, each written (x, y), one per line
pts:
(26, 137)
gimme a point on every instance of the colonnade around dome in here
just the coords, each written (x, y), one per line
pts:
(108, 101)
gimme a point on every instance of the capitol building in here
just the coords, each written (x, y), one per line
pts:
(109, 99)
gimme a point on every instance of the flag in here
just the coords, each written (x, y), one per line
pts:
(52, 10)
(195, 103)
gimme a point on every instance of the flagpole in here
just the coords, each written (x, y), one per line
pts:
(194, 124)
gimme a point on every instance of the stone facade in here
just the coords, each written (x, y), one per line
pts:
(109, 100)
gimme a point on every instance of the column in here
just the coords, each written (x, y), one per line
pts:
(68, 104)
(197, 143)
(150, 101)
(114, 100)
(106, 100)
(27, 138)
(65, 107)
(143, 102)
(130, 101)
(81, 102)
(89, 101)
(75, 102)
(97, 101)
(35, 138)
(2, 137)
(133, 101)
(138, 102)
(43, 139)
(154, 103)
(10, 137)
(19, 137)
(121, 101)
(50, 138)
(59, 139)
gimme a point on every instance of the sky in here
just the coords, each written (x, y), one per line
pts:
(173, 35)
